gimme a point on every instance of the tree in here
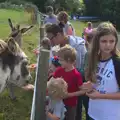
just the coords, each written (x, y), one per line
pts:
(92, 7)
(68, 5)
(106, 9)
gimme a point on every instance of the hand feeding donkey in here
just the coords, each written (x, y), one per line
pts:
(16, 33)
(13, 64)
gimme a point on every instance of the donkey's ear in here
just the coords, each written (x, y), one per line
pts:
(3, 46)
(23, 30)
(10, 24)
(13, 47)
(18, 27)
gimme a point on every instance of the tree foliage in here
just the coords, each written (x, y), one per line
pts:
(108, 9)
(69, 5)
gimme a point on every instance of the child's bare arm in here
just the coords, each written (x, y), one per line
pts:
(77, 93)
(52, 116)
(86, 87)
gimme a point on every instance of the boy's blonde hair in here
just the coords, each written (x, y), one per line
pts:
(67, 53)
(57, 87)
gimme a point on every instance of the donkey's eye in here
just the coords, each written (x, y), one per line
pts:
(25, 62)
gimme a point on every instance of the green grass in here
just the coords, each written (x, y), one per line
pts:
(20, 109)
(78, 27)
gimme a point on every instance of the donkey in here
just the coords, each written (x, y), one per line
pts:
(16, 32)
(13, 64)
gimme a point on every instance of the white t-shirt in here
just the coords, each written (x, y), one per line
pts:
(57, 108)
(103, 109)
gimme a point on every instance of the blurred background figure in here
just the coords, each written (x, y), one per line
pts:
(51, 18)
(63, 18)
(87, 30)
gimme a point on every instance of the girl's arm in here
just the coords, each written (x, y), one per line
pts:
(52, 116)
(113, 96)
(97, 95)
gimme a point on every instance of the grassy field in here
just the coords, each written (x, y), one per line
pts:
(20, 109)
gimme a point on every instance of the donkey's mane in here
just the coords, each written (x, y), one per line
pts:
(7, 58)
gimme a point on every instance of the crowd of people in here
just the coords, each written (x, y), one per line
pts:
(84, 71)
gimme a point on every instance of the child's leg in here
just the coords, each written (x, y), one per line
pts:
(71, 113)
(86, 103)
(79, 109)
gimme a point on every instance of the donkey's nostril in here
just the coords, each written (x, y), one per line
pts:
(27, 81)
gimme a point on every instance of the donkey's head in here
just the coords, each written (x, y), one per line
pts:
(13, 64)
(16, 32)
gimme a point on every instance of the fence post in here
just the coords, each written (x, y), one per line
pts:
(42, 31)
(39, 97)
(41, 83)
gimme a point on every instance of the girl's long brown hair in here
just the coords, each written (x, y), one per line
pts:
(104, 28)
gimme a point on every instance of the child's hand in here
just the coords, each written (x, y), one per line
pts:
(94, 94)
(28, 87)
(87, 86)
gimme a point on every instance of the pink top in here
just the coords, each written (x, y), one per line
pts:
(87, 30)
